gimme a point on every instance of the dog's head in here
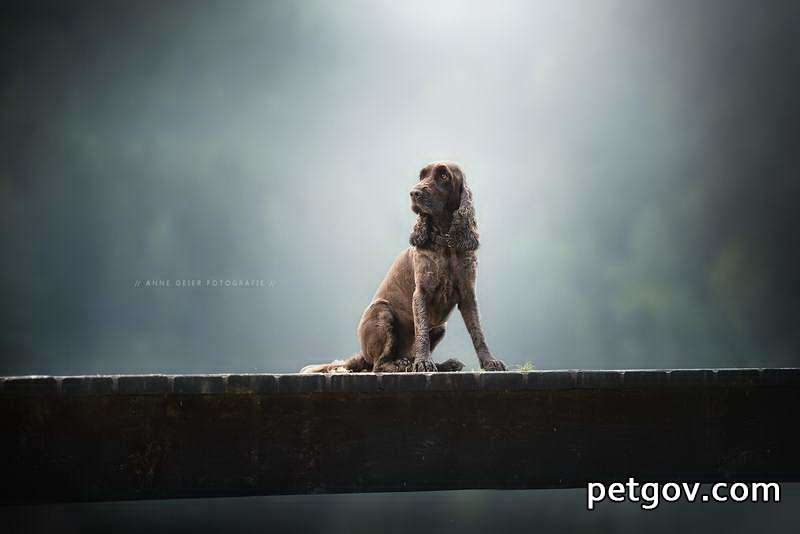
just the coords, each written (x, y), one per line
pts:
(442, 194)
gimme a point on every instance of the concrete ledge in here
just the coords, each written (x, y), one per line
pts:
(251, 384)
(88, 385)
(30, 385)
(89, 438)
(198, 384)
(409, 382)
(144, 385)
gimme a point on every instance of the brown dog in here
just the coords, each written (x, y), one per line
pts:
(407, 316)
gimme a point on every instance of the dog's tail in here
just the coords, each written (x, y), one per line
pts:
(357, 363)
(449, 366)
(319, 367)
(353, 364)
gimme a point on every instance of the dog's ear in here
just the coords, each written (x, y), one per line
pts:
(464, 228)
(421, 234)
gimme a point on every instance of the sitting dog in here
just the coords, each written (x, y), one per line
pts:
(407, 317)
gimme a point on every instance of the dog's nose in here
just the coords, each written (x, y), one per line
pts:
(416, 194)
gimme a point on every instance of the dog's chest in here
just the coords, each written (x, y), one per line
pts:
(443, 284)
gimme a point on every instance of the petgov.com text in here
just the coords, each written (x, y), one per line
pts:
(651, 494)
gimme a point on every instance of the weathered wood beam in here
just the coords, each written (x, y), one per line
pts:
(89, 438)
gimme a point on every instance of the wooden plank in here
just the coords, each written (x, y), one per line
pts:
(159, 436)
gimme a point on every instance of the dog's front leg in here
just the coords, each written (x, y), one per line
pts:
(469, 312)
(422, 338)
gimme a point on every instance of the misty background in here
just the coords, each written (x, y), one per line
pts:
(633, 164)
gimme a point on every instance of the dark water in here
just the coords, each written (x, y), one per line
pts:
(460, 511)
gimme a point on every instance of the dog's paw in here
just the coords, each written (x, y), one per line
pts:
(424, 365)
(493, 365)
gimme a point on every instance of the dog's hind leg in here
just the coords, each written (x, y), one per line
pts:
(378, 338)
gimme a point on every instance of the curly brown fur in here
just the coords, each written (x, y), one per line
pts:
(408, 315)
(462, 230)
